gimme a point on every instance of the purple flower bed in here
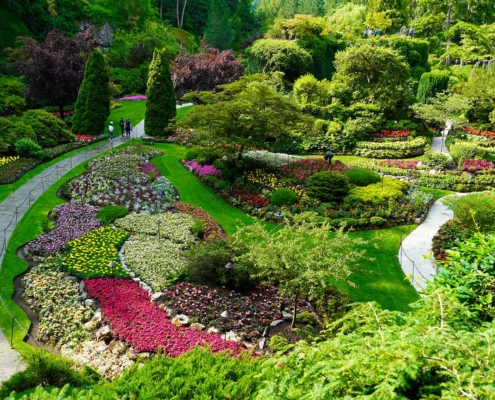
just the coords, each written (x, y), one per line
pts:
(251, 313)
(146, 167)
(73, 221)
(131, 98)
(203, 170)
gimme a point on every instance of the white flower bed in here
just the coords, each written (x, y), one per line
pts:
(274, 159)
(57, 302)
(155, 260)
(175, 227)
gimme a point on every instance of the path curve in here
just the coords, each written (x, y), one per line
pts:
(418, 244)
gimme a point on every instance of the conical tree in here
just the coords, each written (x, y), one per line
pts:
(219, 33)
(93, 100)
(160, 95)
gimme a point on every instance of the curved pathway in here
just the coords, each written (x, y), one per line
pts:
(15, 206)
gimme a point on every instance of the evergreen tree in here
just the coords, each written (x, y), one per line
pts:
(244, 20)
(219, 32)
(160, 96)
(93, 100)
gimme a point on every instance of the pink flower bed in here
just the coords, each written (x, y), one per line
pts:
(301, 170)
(402, 164)
(476, 165)
(203, 170)
(142, 324)
(131, 98)
(147, 167)
(85, 138)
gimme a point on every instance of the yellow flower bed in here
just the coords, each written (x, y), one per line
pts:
(261, 178)
(91, 254)
(7, 160)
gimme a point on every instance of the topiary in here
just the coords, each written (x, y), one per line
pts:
(327, 186)
(362, 176)
(283, 197)
(109, 214)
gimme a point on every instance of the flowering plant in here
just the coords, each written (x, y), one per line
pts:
(395, 133)
(402, 164)
(273, 159)
(472, 131)
(95, 254)
(164, 187)
(476, 165)
(146, 167)
(143, 324)
(211, 228)
(7, 160)
(253, 199)
(202, 170)
(300, 171)
(85, 138)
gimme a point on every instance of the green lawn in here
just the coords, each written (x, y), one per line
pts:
(134, 110)
(437, 193)
(381, 280)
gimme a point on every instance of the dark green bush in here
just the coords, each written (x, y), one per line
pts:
(362, 176)
(109, 214)
(192, 153)
(306, 318)
(27, 147)
(327, 186)
(430, 84)
(45, 369)
(50, 130)
(206, 265)
(207, 156)
(283, 197)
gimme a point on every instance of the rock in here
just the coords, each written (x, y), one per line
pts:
(84, 295)
(82, 286)
(132, 274)
(72, 278)
(266, 331)
(144, 354)
(104, 333)
(136, 280)
(131, 354)
(180, 320)
(212, 330)
(95, 322)
(157, 297)
(144, 286)
(92, 303)
(117, 347)
(261, 344)
(275, 323)
(286, 316)
(196, 326)
(232, 336)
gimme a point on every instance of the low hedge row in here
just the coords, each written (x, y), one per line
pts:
(458, 182)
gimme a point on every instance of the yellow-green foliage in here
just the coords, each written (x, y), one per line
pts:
(377, 192)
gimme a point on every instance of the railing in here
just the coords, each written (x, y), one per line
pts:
(417, 278)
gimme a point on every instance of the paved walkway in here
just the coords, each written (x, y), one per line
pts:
(15, 206)
(438, 143)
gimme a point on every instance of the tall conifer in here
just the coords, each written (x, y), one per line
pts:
(160, 95)
(93, 100)
(219, 33)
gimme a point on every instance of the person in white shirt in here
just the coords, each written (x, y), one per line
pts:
(110, 130)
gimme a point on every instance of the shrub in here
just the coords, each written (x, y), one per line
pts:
(362, 177)
(44, 369)
(389, 189)
(109, 214)
(207, 156)
(307, 318)
(475, 211)
(283, 197)
(430, 84)
(462, 150)
(327, 186)
(50, 130)
(192, 154)
(278, 343)
(437, 160)
(27, 147)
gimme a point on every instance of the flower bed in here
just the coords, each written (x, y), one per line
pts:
(165, 188)
(273, 159)
(86, 138)
(90, 255)
(202, 170)
(14, 170)
(113, 166)
(253, 199)
(476, 165)
(449, 234)
(402, 164)
(251, 313)
(73, 220)
(175, 227)
(211, 228)
(155, 260)
(300, 171)
(57, 303)
(392, 134)
(472, 131)
(272, 181)
(143, 324)
(8, 160)
(147, 167)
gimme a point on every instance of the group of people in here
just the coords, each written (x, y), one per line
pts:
(404, 31)
(124, 126)
(370, 32)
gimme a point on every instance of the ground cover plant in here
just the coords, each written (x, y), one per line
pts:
(143, 324)
(95, 254)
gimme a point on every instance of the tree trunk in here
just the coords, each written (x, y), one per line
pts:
(182, 16)
(295, 313)
(61, 110)
(178, 18)
(239, 156)
(447, 27)
(161, 9)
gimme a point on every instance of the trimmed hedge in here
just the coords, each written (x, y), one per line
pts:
(283, 197)
(327, 186)
(362, 177)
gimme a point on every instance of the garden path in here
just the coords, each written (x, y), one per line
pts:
(438, 143)
(418, 244)
(15, 206)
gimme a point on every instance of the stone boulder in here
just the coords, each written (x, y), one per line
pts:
(197, 327)
(104, 334)
(180, 320)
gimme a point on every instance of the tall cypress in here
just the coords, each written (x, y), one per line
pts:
(244, 20)
(160, 95)
(219, 33)
(92, 106)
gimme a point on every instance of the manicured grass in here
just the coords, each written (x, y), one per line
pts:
(134, 110)
(183, 111)
(381, 280)
(437, 193)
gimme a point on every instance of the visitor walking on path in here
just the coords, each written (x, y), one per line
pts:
(122, 125)
(110, 130)
(128, 128)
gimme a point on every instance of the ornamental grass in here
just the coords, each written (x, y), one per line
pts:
(144, 325)
(95, 254)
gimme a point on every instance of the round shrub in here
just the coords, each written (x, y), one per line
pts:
(283, 197)
(27, 147)
(327, 186)
(192, 154)
(109, 214)
(362, 177)
(50, 130)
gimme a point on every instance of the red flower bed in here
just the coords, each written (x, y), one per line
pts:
(253, 199)
(85, 138)
(212, 230)
(300, 171)
(397, 133)
(402, 164)
(476, 165)
(488, 134)
(142, 324)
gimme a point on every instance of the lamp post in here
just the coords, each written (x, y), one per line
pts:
(230, 268)
(158, 223)
(112, 265)
(226, 316)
